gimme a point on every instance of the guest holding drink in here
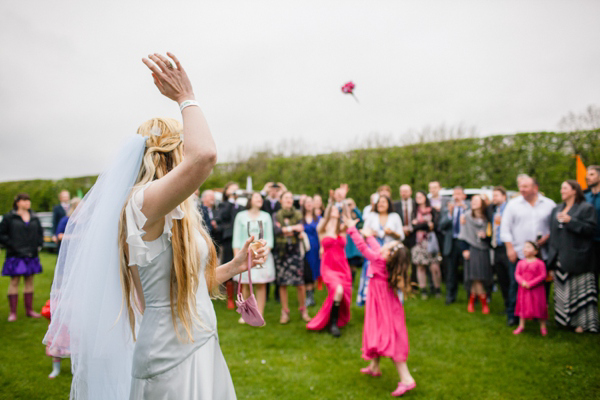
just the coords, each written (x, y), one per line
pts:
(313, 258)
(252, 221)
(478, 269)
(288, 262)
(572, 227)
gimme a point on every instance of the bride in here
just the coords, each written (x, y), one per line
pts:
(131, 295)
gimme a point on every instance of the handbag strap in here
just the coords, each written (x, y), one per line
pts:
(249, 275)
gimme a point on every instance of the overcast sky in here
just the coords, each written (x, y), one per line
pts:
(72, 84)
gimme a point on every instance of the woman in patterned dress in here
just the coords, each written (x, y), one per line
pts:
(288, 262)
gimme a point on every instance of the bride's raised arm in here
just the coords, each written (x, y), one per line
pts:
(200, 153)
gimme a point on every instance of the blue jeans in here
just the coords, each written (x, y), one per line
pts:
(512, 290)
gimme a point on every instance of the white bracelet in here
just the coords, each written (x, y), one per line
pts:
(188, 103)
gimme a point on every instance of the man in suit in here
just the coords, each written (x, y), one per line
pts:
(207, 209)
(271, 203)
(59, 211)
(437, 201)
(407, 208)
(452, 248)
(501, 265)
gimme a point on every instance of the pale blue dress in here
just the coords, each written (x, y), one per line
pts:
(164, 368)
(265, 274)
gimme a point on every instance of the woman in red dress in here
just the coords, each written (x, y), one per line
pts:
(335, 272)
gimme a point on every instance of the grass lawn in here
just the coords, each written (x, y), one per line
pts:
(454, 355)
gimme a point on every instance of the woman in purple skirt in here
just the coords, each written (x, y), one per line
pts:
(22, 234)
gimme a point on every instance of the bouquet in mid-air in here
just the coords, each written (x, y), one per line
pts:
(348, 88)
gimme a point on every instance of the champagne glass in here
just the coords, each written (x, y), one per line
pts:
(255, 228)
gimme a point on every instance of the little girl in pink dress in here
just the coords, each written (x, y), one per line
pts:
(384, 332)
(531, 297)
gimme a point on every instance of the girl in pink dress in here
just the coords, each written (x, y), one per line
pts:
(384, 333)
(531, 297)
(336, 273)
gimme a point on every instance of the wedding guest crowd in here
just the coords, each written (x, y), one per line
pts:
(487, 243)
(478, 240)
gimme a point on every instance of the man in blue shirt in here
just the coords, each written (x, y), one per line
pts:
(592, 195)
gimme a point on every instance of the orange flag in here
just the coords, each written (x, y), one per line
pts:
(580, 172)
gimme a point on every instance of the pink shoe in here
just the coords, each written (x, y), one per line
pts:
(543, 331)
(518, 331)
(368, 371)
(33, 314)
(12, 317)
(403, 388)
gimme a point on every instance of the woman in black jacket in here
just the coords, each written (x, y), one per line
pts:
(572, 228)
(22, 234)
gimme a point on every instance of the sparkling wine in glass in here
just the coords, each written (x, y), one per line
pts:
(255, 228)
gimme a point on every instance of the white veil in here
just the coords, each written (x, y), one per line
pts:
(86, 295)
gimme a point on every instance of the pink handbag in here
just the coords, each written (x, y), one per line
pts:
(248, 308)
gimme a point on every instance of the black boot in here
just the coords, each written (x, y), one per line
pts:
(333, 320)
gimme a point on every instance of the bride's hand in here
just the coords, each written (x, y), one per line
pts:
(171, 80)
(258, 256)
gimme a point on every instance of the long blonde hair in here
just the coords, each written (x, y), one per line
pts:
(164, 151)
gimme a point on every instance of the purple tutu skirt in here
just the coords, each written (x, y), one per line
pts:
(14, 266)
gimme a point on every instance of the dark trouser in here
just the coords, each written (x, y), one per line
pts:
(501, 269)
(512, 291)
(452, 262)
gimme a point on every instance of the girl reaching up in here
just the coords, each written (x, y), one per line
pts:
(336, 273)
(384, 333)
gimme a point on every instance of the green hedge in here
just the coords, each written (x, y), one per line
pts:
(477, 162)
(473, 162)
